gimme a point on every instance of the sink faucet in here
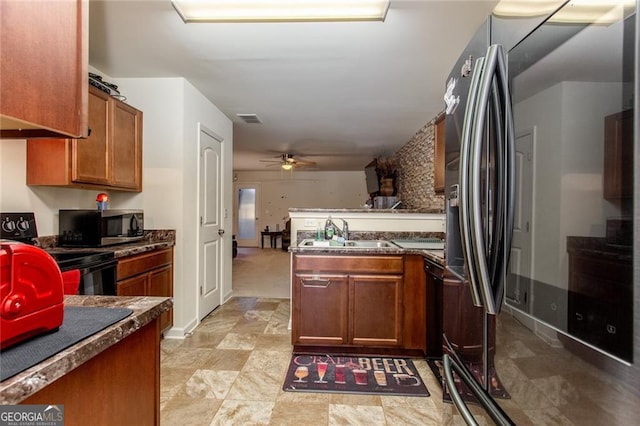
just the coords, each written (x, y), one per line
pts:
(344, 232)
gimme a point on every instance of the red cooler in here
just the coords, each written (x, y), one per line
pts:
(31, 293)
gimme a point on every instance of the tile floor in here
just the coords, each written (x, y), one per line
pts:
(230, 371)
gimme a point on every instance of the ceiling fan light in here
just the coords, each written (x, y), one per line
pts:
(280, 10)
(287, 166)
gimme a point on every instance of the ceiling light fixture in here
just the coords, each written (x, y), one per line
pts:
(287, 166)
(599, 12)
(280, 10)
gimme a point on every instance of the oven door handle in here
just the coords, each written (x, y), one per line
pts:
(494, 411)
(88, 269)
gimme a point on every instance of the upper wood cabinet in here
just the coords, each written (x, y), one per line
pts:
(618, 155)
(439, 154)
(44, 69)
(110, 158)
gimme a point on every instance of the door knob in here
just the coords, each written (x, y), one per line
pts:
(220, 231)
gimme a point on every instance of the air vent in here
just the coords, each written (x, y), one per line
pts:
(249, 118)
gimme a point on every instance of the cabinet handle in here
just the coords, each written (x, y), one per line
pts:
(315, 283)
(611, 329)
(578, 316)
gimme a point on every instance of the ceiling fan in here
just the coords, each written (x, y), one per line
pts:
(288, 162)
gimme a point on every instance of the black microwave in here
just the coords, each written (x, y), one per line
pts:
(97, 228)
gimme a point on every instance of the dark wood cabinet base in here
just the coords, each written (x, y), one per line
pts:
(119, 386)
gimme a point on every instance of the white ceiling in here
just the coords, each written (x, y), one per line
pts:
(339, 94)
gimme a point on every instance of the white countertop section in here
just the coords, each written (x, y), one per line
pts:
(371, 220)
(367, 220)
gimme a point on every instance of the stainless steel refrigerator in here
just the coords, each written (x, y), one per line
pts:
(541, 202)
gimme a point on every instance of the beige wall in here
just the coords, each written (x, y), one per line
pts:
(337, 190)
(280, 191)
(172, 108)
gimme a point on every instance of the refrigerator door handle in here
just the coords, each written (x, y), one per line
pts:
(490, 72)
(463, 179)
(476, 231)
(507, 205)
(494, 411)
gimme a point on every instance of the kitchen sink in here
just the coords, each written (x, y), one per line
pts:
(369, 244)
(354, 244)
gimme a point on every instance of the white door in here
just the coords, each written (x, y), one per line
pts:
(246, 206)
(518, 294)
(210, 248)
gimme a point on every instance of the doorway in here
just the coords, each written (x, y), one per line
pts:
(210, 249)
(246, 207)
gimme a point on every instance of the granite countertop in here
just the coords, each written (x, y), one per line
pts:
(363, 210)
(433, 255)
(145, 309)
(153, 240)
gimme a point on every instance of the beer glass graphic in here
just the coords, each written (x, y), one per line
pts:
(301, 372)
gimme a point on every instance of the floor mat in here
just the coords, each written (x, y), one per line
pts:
(497, 389)
(353, 374)
(79, 323)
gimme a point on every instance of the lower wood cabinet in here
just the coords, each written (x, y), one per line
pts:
(148, 274)
(462, 322)
(356, 301)
(119, 386)
(375, 303)
(321, 309)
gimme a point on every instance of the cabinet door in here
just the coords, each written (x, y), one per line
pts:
(462, 322)
(618, 156)
(136, 286)
(320, 309)
(375, 310)
(89, 157)
(438, 155)
(161, 284)
(127, 146)
(44, 47)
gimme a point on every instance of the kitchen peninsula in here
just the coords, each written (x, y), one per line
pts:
(365, 298)
(111, 377)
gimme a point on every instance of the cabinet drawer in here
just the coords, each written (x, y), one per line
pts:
(137, 264)
(351, 264)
